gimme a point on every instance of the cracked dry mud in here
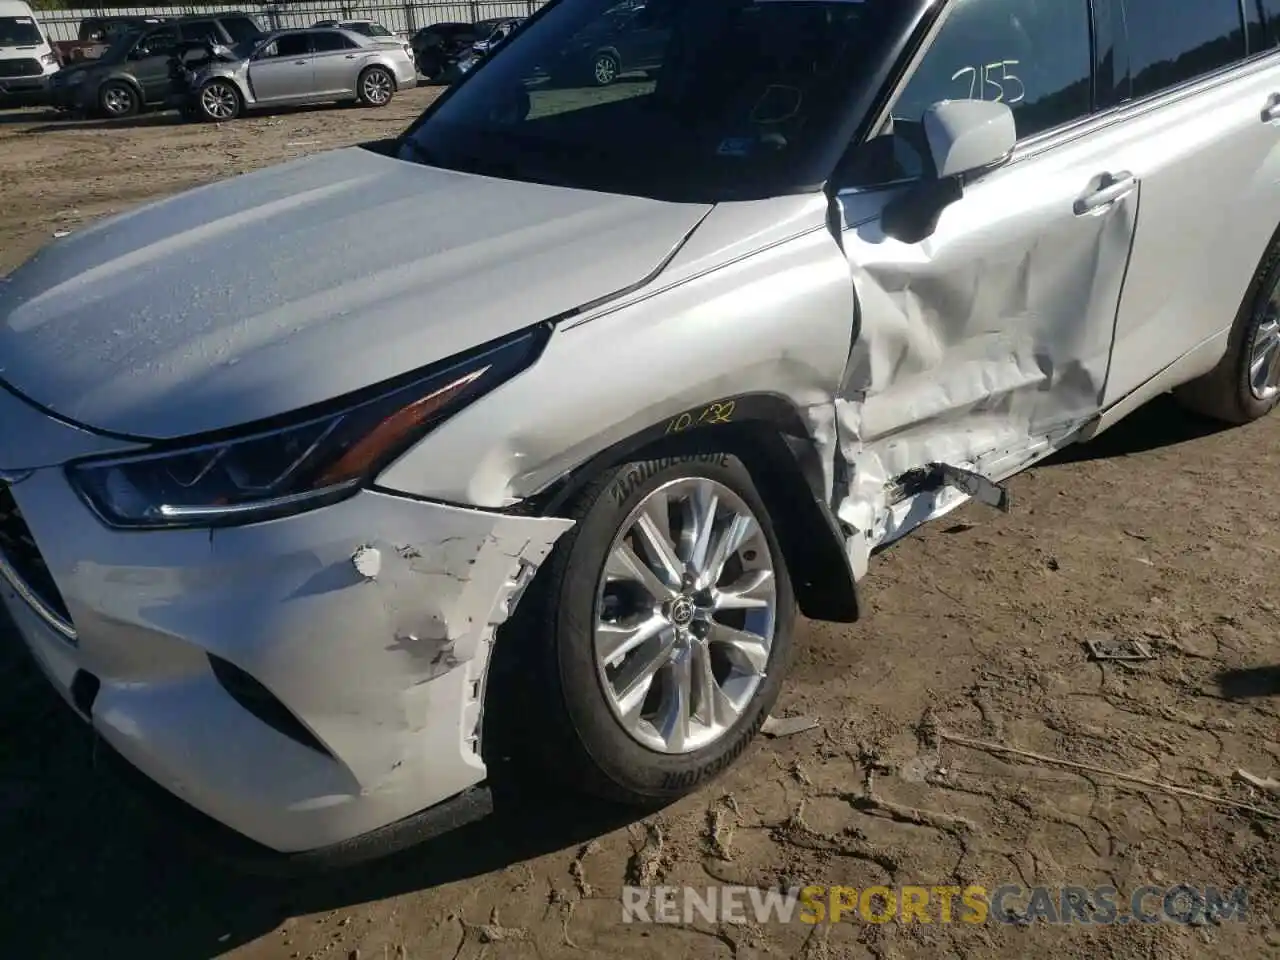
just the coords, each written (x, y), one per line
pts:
(1165, 530)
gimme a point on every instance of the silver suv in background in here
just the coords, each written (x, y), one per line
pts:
(557, 409)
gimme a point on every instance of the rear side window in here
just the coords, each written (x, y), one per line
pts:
(328, 41)
(1034, 55)
(1171, 43)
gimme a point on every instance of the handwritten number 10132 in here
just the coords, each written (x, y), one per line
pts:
(993, 76)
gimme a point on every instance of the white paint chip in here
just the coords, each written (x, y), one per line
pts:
(368, 562)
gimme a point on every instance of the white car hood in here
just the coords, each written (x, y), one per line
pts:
(265, 293)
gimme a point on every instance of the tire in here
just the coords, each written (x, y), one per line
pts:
(219, 101)
(582, 736)
(604, 69)
(376, 87)
(1229, 392)
(118, 98)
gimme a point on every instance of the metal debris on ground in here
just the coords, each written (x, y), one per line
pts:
(787, 726)
(1110, 648)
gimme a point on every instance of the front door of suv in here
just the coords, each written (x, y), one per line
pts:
(989, 341)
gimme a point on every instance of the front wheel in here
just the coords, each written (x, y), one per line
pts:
(376, 87)
(119, 99)
(666, 617)
(604, 69)
(219, 101)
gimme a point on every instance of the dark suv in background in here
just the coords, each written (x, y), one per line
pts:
(440, 46)
(136, 71)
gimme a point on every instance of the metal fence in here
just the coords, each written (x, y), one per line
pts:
(403, 17)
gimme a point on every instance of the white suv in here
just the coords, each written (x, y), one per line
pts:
(677, 354)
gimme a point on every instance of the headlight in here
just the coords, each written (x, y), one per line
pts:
(313, 461)
(49, 59)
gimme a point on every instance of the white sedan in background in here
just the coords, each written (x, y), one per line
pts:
(292, 67)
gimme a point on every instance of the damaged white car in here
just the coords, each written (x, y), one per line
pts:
(634, 372)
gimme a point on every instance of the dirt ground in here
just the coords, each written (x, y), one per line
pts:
(1165, 530)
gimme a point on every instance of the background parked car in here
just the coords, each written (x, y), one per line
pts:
(440, 46)
(485, 47)
(26, 59)
(97, 34)
(291, 67)
(136, 72)
(371, 29)
(629, 39)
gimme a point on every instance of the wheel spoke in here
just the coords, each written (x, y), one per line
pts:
(702, 525)
(638, 673)
(1273, 366)
(1263, 350)
(624, 564)
(753, 591)
(736, 532)
(673, 723)
(654, 529)
(616, 640)
(749, 649)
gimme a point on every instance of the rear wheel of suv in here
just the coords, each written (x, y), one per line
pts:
(376, 87)
(1245, 385)
(665, 619)
(118, 98)
(219, 101)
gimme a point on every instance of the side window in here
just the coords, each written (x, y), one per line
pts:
(292, 45)
(160, 43)
(1034, 55)
(1171, 43)
(327, 42)
(201, 30)
(240, 28)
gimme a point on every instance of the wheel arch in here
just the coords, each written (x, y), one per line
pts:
(768, 435)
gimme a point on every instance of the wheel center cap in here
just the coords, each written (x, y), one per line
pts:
(682, 611)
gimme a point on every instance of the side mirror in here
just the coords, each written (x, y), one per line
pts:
(969, 135)
(966, 138)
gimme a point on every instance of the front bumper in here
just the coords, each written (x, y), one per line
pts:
(26, 91)
(367, 624)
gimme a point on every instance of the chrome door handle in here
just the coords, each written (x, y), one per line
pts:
(1271, 112)
(1115, 186)
(351, 56)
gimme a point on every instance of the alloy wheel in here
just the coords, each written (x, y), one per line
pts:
(218, 101)
(606, 70)
(118, 100)
(686, 612)
(376, 87)
(1264, 356)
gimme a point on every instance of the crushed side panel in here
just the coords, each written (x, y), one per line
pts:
(980, 347)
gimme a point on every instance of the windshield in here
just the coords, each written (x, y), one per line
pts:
(19, 32)
(374, 30)
(676, 99)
